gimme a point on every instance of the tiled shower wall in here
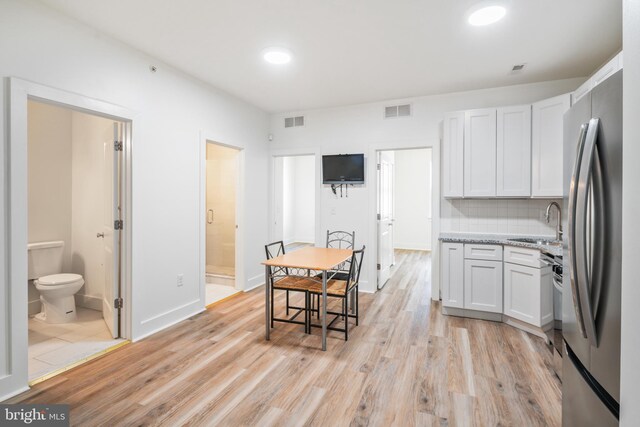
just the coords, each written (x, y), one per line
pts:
(497, 216)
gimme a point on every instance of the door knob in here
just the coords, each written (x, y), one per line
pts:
(100, 235)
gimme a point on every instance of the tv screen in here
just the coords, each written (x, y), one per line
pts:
(343, 169)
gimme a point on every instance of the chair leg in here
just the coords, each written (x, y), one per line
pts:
(345, 311)
(272, 305)
(357, 306)
(287, 303)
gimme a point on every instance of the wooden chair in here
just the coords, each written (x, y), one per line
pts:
(341, 289)
(282, 278)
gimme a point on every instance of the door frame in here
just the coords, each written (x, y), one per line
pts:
(210, 138)
(296, 152)
(374, 149)
(15, 357)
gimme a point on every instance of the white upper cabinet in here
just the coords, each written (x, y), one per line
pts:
(452, 155)
(514, 151)
(546, 146)
(480, 153)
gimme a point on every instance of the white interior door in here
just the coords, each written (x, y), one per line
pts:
(385, 216)
(111, 213)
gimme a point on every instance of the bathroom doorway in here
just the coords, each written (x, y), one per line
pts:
(75, 187)
(221, 198)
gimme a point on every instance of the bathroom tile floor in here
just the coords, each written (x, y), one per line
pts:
(55, 346)
(216, 292)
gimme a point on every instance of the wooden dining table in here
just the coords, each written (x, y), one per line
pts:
(308, 258)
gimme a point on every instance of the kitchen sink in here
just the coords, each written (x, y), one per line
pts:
(537, 241)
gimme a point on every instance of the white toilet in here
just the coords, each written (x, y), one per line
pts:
(56, 289)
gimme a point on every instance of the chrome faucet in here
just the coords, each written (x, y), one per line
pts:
(559, 224)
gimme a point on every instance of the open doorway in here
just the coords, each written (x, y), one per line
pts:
(222, 172)
(74, 258)
(404, 212)
(294, 201)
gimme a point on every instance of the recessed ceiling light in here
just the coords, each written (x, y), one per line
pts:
(277, 55)
(487, 15)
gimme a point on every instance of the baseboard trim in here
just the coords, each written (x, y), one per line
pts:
(34, 307)
(254, 282)
(89, 301)
(175, 322)
(14, 393)
(253, 287)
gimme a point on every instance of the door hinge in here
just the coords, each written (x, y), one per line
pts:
(378, 216)
(378, 266)
(118, 224)
(378, 166)
(117, 303)
(117, 145)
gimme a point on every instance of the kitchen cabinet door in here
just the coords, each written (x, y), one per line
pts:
(452, 155)
(480, 153)
(528, 294)
(483, 285)
(514, 151)
(452, 275)
(546, 146)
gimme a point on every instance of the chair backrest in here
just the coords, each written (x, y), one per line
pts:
(356, 266)
(273, 250)
(341, 239)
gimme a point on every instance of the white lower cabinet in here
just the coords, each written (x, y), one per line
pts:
(475, 278)
(483, 285)
(451, 275)
(528, 294)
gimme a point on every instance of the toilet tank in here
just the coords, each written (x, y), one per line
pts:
(45, 258)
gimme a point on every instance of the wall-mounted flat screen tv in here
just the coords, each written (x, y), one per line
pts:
(343, 169)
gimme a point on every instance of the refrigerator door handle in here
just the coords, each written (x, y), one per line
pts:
(571, 225)
(584, 218)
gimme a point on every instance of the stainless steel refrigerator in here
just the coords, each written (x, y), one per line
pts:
(592, 257)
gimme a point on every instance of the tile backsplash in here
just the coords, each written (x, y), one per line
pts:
(497, 216)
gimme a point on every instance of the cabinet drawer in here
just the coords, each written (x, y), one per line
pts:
(523, 256)
(483, 252)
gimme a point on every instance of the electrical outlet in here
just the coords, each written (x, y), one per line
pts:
(180, 280)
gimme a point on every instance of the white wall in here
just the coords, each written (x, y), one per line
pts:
(298, 199)
(288, 197)
(362, 129)
(412, 193)
(40, 45)
(90, 198)
(305, 176)
(630, 371)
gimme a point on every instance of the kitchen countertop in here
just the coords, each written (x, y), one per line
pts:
(501, 239)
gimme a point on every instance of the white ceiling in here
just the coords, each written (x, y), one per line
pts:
(354, 51)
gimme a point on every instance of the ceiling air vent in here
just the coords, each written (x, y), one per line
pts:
(518, 68)
(290, 122)
(397, 111)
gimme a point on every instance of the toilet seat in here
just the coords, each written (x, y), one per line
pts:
(59, 279)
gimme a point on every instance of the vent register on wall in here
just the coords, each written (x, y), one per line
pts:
(342, 170)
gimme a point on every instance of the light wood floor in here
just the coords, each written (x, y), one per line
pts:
(405, 364)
